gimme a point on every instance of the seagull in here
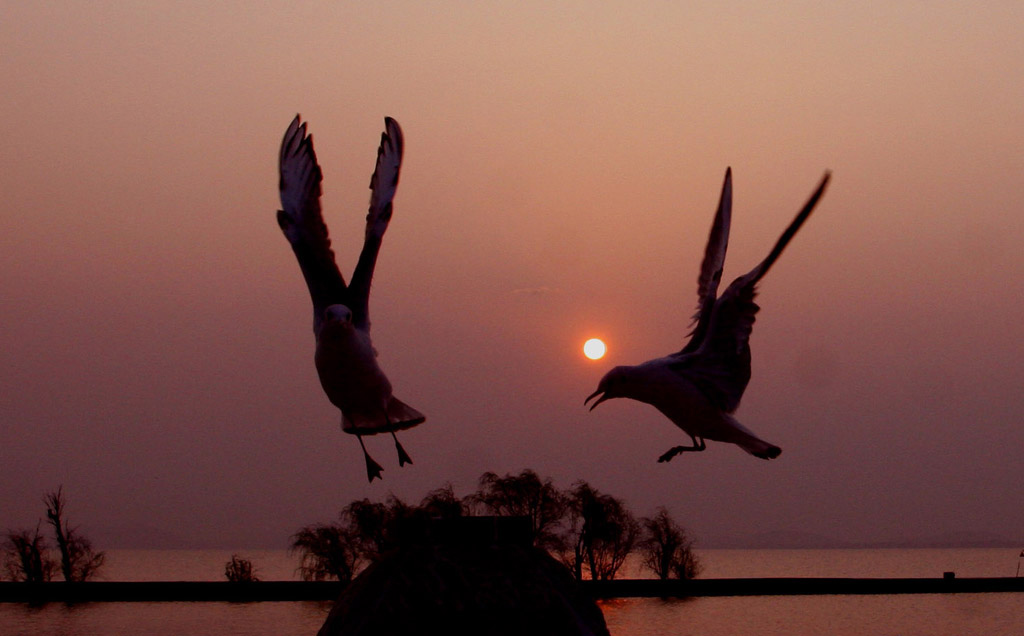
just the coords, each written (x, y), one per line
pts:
(700, 386)
(345, 358)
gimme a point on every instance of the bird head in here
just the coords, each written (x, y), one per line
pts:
(610, 386)
(337, 315)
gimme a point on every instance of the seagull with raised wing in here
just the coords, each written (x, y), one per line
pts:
(700, 386)
(345, 358)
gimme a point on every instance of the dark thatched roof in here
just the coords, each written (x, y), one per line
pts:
(468, 576)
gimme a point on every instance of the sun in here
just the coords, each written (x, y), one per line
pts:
(594, 348)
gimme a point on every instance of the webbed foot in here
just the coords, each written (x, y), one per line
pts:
(697, 447)
(373, 469)
(403, 457)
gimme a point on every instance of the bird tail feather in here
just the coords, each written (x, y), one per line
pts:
(403, 416)
(762, 449)
(745, 439)
(400, 417)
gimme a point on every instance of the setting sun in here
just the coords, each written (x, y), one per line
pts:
(594, 349)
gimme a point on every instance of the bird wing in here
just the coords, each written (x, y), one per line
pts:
(721, 365)
(383, 185)
(302, 223)
(711, 266)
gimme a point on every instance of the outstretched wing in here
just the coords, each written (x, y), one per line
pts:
(301, 220)
(711, 266)
(721, 365)
(383, 185)
(384, 181)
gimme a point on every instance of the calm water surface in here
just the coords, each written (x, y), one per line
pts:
(910, 615)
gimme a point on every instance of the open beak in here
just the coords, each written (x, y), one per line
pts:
(599, 399)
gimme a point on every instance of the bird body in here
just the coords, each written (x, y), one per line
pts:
(678, 398)
(699, 387)
(346, 363)
(345, 359)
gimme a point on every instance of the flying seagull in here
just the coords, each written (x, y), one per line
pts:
(345, 358)
(700, 386)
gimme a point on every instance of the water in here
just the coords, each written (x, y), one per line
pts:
(194, 565)
(919, 615)
(913, 614)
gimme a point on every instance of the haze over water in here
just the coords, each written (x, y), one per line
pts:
(561, 171)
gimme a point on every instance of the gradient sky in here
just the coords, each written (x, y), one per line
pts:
(561, 172)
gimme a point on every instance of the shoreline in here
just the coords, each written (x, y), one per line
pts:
(292, 591)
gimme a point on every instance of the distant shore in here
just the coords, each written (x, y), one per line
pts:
(291, 591)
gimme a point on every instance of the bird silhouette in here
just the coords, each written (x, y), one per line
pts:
(700, 386)
(346, 361)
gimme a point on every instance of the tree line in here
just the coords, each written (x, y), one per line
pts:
(591, 532)
(26, 555)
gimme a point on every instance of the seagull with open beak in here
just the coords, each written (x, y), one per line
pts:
(700, 386)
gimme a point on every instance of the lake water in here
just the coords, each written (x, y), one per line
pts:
(910, 614)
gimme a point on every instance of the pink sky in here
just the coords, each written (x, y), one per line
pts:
(561, 171)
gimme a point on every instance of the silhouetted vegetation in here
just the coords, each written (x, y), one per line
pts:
(443, 504)
(524, 495)
(379, 527)
(602, 533)
(239, 570)
(592, 532)
(328, 552)
(666, 549)
(365, 531)
(78, 561)
(27, 554)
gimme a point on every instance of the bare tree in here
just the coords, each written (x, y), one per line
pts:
(78, 561)
(601, 533)
(573, 552)
(667, 550)
(26, 557)
(379, 527)
(443, 504)
(367, 530)
(592, 532)
(525, 495)
(239, 570)
(328, 552)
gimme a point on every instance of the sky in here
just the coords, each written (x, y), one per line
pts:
(562, 166)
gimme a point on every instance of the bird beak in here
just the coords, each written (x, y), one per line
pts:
(594, 395)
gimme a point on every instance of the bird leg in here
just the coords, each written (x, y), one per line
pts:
(373, 469)
(672, 452)
(403, 457)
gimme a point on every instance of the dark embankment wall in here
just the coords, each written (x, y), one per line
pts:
(327, 591)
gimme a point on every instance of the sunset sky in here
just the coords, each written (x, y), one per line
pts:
(562, 165)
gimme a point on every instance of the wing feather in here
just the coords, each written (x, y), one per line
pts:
(721, 365)
(302, 222)
(712, 265)
(383, 185)
(384, 181)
